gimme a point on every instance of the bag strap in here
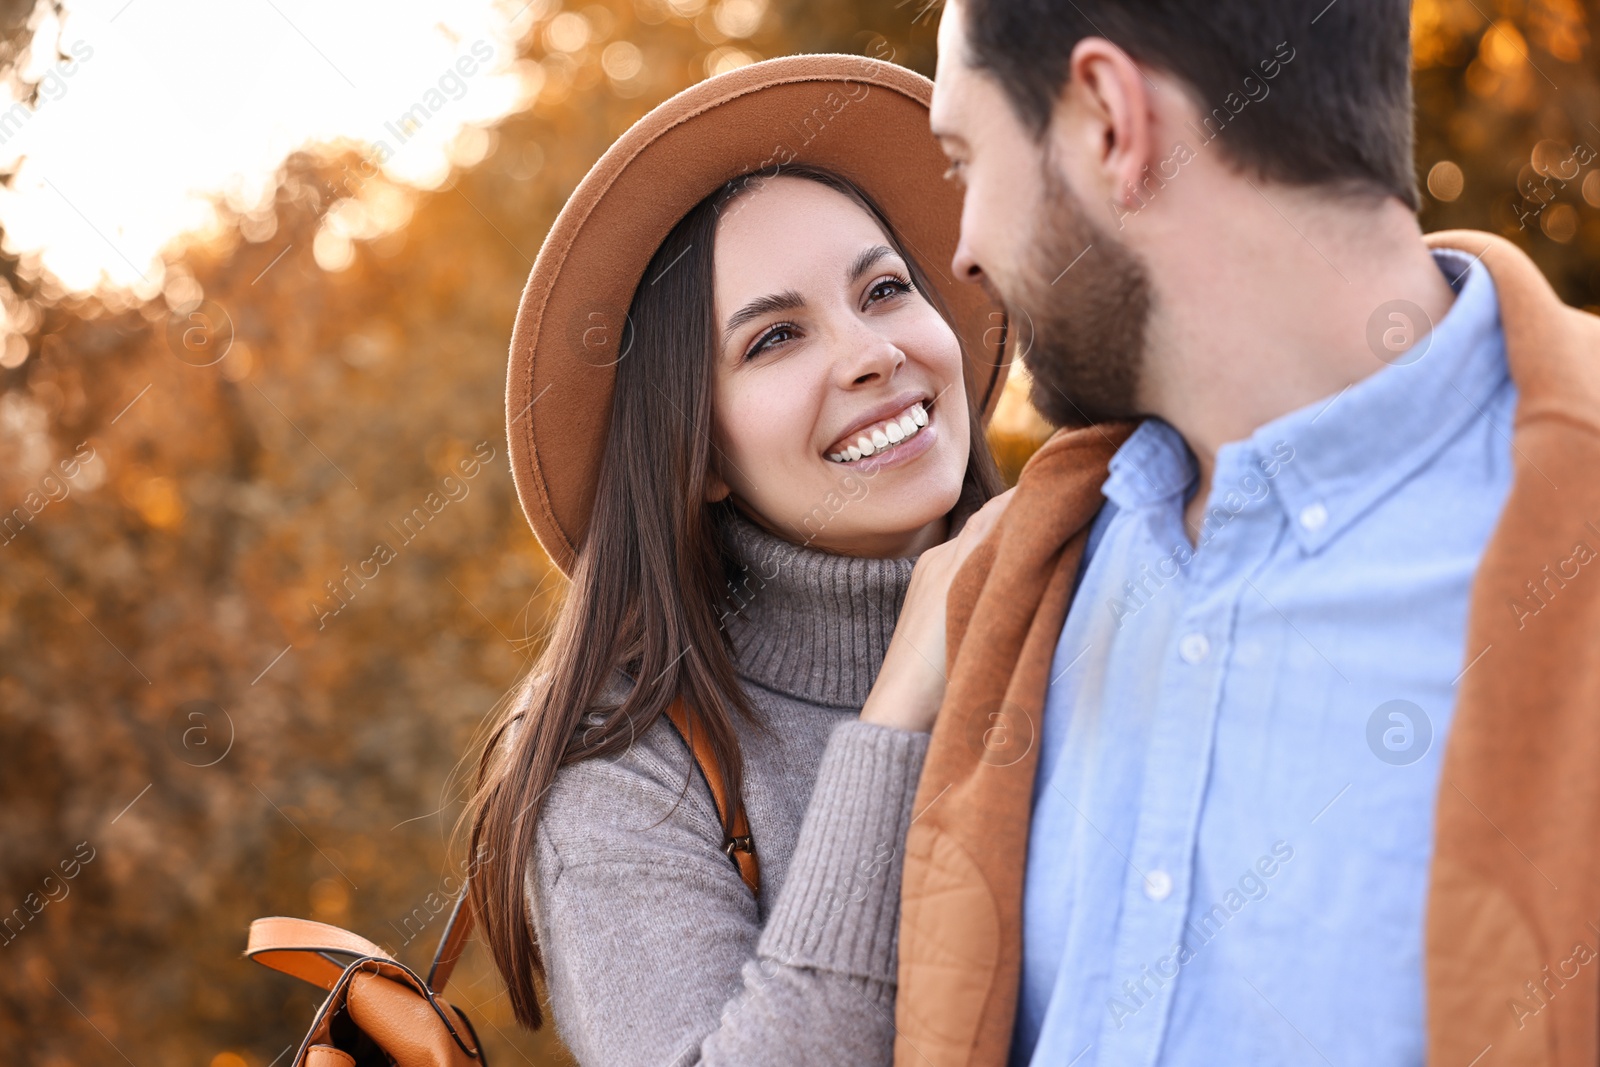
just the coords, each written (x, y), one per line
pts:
(306, 949)
(738, 846)
(451, 943)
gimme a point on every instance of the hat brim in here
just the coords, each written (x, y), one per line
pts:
(861, 117)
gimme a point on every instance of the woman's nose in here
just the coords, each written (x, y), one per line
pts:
(871, 357)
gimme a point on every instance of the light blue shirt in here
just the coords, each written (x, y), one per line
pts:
(1240, 752)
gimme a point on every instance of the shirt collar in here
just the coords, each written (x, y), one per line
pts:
(1352, 449)
(1152, 465)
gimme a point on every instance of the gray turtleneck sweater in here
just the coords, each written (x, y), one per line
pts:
(656, 952)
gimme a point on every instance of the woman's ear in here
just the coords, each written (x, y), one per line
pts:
(717, 490)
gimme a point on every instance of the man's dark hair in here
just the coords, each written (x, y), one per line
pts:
(1337, 112)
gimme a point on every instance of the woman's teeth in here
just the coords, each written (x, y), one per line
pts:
(885, 435)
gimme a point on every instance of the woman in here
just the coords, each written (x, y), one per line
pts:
(791, 445)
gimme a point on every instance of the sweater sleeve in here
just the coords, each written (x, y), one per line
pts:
(654, 950)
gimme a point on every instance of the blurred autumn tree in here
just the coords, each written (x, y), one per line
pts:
(1508, 129)
(179, 701)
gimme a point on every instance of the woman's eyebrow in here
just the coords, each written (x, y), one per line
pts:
(788, 300)
(866, 259)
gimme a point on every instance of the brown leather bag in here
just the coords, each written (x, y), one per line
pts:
(379, 1012)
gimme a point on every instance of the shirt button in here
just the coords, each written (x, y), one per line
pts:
(1194, 647)
(1158, 885)
(1314, 517)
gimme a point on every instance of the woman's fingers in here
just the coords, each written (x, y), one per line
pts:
(979, 526)
(940, 563)
(911, 682)
(936, 568)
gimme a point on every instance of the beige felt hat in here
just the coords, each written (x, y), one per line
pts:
(860, 117)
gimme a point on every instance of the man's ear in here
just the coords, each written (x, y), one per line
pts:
(1100, 129)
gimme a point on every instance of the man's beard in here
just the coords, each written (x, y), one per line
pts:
(1079, 303)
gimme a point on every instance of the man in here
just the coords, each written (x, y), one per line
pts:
(1306, 771)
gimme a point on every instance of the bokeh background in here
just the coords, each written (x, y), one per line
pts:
(257, 279)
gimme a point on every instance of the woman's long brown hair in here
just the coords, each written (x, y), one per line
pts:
(652, 578)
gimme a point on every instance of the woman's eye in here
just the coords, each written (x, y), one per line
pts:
(889, 287)
(776, 335)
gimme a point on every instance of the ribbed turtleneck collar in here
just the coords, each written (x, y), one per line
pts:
(812, 624)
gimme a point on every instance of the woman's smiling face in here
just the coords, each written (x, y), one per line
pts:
(840, 411)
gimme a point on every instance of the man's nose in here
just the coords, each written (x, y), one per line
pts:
(964, 265)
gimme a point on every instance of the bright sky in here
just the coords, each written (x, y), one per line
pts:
(164, 102)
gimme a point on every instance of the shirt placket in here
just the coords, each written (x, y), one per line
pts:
(1158, 887)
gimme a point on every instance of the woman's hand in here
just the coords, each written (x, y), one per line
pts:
(911, 683)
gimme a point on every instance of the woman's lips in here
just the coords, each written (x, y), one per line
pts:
(882, 438)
